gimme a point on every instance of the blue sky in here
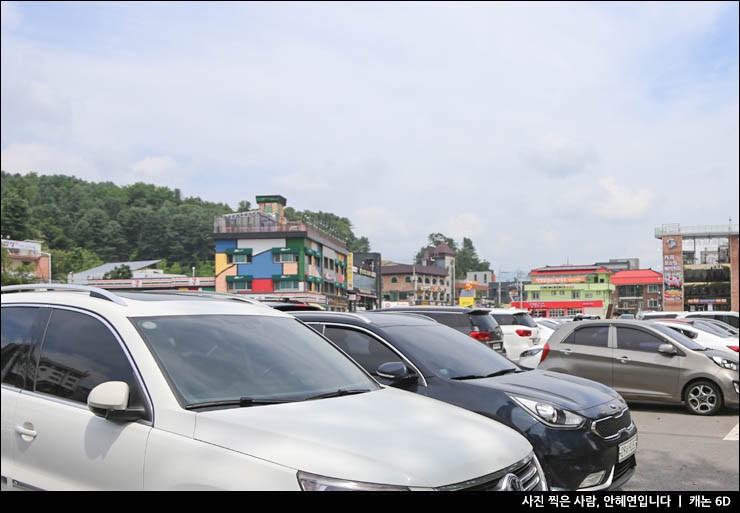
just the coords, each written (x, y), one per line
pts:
(546, 132)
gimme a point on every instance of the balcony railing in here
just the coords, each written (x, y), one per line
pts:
(702, 230)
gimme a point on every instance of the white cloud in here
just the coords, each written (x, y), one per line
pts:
(156, 168)
(560, 156)
(42, 159)
(622, 203)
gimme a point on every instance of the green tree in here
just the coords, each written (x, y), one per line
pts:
(14, 216)
(120, 272)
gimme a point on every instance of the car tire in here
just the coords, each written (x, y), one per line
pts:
(703, 398)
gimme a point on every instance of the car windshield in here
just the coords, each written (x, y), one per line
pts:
(678, 337)
(448, 353)
(243, 360)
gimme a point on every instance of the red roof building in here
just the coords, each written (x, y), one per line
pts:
(636, 290)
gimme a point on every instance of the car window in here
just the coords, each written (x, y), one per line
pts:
(633, 339)
(680, 338)
(18, 324)
(524, 319)
(483, 322)
(363, 348)
(446, 352)
(594, 336)
(78, 353)
(459, 321)
(504, 319)
(227, 358)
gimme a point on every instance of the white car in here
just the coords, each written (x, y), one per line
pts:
(530, 358)
(730, 317)
(158, 391)
(520, 330)
(703, 337)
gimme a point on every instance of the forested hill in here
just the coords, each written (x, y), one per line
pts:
(85, 224)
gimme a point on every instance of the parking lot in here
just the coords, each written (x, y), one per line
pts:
(682, 452)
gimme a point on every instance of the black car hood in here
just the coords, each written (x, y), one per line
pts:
(569, 392)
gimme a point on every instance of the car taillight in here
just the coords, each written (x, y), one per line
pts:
(545, 351)
(482, 336)
(734, 348)
(524, 333)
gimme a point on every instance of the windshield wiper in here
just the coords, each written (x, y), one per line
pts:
(241, 403)
(491, 375)
(339, 393)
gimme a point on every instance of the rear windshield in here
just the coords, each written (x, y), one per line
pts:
(517, 319)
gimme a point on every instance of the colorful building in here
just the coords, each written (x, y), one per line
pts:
(568, 290)
(259, 253)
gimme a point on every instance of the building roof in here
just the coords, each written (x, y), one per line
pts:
(637, 277)
(410, 269)
(97, 273)
(571, 269)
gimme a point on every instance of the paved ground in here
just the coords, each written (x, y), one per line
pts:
(678, 451)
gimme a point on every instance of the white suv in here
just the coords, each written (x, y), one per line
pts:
(520, 330)
(160, 391)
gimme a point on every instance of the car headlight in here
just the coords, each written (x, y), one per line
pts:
(316, 483)
(548, 413)
(724, 362)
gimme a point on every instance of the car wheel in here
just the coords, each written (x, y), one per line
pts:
(703, 398)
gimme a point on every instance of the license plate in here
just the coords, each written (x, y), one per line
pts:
(497, 346)
(627, 449)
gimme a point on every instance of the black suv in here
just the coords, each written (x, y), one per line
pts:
(476, 322)
(581, 430)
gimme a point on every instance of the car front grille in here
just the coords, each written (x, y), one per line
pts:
(611, 426)
(522, 476)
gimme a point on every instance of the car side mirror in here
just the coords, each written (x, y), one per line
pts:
(667, 349)
(397, 372)
(110, 401)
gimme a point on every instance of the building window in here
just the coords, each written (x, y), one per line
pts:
(653, 303)
(535, 295)
(238, 285)
(286, 285)
(653, 289)
(574, 311)
(576, 294)
(408, 279)
(394, 280)
(279, 258)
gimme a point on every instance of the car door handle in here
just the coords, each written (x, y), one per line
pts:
(26, 434)
(624, 359)
(567, 351)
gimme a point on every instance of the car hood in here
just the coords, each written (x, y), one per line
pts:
(387, 436)
(570, 392)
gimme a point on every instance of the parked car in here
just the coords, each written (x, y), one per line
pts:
(707, 339)
(520, 331)
(530, 358)
(645, 361)
(581, 431)
(104, 390)
(475, 322)
(730, 317)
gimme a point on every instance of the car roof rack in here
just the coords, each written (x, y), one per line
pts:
(94, 291)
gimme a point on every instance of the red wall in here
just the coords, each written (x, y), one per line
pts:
(262, 285)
